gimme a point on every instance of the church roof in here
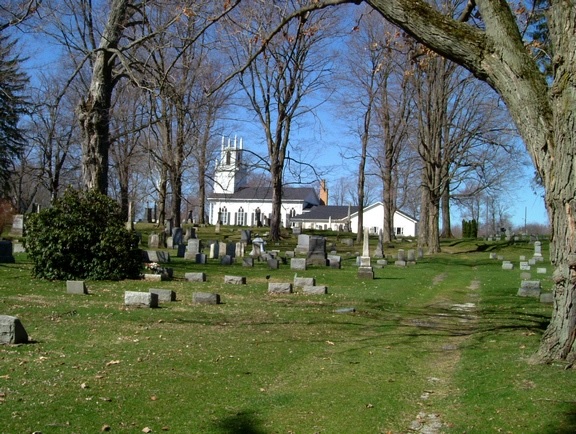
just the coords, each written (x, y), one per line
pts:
(335, 212)
(296, 194)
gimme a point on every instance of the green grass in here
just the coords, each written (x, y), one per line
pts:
(278, 364)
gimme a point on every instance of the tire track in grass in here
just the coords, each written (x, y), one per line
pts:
(443, 366)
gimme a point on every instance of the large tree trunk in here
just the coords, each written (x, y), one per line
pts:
(544, 116)
(445, 205)
(276, 220)
(94, 110)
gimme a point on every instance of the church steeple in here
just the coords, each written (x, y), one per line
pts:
(230, 174)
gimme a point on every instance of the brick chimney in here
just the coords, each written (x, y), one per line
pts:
(323, 192)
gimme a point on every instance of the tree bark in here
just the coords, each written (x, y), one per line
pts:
(94, 110)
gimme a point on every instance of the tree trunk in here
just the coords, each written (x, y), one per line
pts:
(94, 110)
(276, 220)
(445, 205)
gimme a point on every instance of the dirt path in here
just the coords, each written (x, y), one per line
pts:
(445, 362)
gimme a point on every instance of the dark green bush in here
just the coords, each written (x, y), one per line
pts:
(82, 236)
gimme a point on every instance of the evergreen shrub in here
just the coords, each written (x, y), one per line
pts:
(82, 236)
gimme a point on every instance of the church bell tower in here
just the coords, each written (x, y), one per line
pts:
(230, 174)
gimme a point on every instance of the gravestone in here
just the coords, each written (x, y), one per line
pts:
(246, 236)
(379, 253)
(235, 280)
(12, 331)
(493, 255)
(532, 261)
(382, 262)
(221, 249)
(273, 263)
(315, 290)
(301, 282)
(507, 265)
(150, 256)
(166, 295)
(365, 271)
(279, 288)
(18, 248)
(538, 251)
(420, 253)
(214, 250)
(6, 250)
(248, 261)
(192, 248)
(296, 230)
(524, 266)
(169, 243)
(177, 236)
(153, 241)
(298, 264)
(195, 277)
(411, 257)
(347, 242)
(335, 261)
(163, 257)
(17, 229)
(290, 254)
(529, 288)
(316, 254)
(547, 298)
(205, 298)
(181, 251)
(226, 260)
(149, 277)
(303, 244)
(540, 270)
(140, 299)
(231, 249)
(401, 258)
(200, 258)
(525, 276)
(76, 287)
(240, 249)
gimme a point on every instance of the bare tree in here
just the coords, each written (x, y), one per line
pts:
(290, 68)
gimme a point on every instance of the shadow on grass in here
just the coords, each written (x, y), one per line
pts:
(240, 423)
(567, 425)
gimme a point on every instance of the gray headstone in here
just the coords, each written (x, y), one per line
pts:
(298, 264)
(192, 248)
(317, 251)
(140, 299)
(177, 236)
(493, 255)
(273, 263)
(214, 250)
(345, 310)
(195, 277)
(301, 282)
(205, 298)
(248, 262)
(231, 249)
(315, 290)
(303, 244)
(240, 249)
(524, 266)
(507, 265)
(547, 298)
(296, 230)
(541, 270)
(12, 331)
(169, 242)
(76, 287)
(153, 241)
(279, 288)
(529, 288)
(6, 255)
(17, 225)
(163, 257)
(401, 255)
(537, 249)
(149, 277)
(347, 242)
(163, 294)
(18, 248)
(221, 249)
(290, 253)
(365, 273)
(200, 258)
(382, 262)
(235, 280)
(246, 236)
(400, 263)
(226, 260)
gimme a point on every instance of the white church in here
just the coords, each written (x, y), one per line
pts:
(234, 203)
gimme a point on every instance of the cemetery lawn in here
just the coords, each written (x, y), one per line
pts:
(443, 345)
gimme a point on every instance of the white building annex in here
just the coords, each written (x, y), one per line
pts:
(234, 203)
(337, 217)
